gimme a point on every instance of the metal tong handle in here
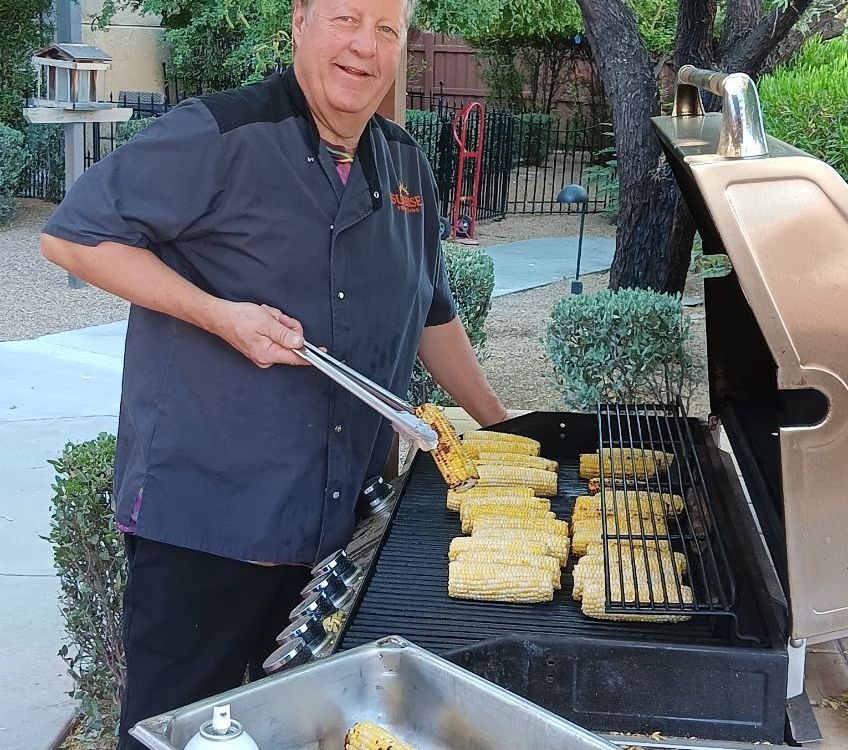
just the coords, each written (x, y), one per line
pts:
(399, 412)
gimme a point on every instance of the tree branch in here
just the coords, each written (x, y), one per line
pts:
(740, 20)
(749, 55)
(827, 24)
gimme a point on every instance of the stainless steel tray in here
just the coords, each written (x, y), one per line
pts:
(427, 701)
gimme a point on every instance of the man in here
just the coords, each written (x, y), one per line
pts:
(236, 225)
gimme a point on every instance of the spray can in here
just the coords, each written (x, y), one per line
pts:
(221, 733)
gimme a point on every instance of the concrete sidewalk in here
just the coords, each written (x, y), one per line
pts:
(54, 389)
(531, 263)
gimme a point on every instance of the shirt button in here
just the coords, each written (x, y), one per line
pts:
(376, 194)
(310, 159)
(338, 428)
(341, 295)
(336, 495)
(332, 226)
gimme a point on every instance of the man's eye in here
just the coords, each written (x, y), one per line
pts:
(344, 19)
(387, 30)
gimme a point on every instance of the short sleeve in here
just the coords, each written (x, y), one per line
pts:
(443, 308)
(165, 184)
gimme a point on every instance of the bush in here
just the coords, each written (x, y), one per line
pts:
(88, 553)
(425, 127)
(46, 147)
(14, 158)
(126, 130)
(805, 103)
(471, 274)
(536, 137)
(615, 346)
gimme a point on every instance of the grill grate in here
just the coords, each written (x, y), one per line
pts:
(654, 451)
(406, 590)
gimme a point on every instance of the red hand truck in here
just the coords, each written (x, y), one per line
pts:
(464, 213)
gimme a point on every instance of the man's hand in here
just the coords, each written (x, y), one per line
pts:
(263, 334)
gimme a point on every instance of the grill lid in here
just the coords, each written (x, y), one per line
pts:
(777, 330)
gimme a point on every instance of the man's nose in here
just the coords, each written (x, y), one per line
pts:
(364, 41)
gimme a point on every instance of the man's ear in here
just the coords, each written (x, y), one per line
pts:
(298, 19)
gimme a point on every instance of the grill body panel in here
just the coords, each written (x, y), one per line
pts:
(687, 679)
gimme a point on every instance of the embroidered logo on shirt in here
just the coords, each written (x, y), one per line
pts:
(404, 202)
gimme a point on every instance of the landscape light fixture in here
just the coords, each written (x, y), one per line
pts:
(576, 194)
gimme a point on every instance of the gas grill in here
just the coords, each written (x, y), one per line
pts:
(767, 557)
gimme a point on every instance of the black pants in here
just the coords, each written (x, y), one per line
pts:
(193, 622)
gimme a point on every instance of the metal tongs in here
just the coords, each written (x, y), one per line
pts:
(400, 413)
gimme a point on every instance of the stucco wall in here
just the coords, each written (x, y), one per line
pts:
(134, 43)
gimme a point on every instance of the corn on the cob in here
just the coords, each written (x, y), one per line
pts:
(499, 583)
(469, 513)
(455, 499)
(534, 523)
(618, 547)
(515, 459)
(629, 502)
(508, 501)
(333, 623)
(542, 482)
(589, 530)
(365, 735)
(529, 446)
(557, 544)
(499, 557)
(635, 462)
(665, 569)
(451, 458)
(495, 505)
(594, 602)
(472, 544)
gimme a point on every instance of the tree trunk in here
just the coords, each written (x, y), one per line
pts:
(649, 229)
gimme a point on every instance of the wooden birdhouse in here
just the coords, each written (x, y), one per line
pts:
(71, 77)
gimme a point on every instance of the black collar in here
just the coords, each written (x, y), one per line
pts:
(365, 148)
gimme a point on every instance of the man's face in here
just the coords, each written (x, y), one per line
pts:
(347, 52)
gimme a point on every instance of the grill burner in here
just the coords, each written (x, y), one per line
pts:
(683, 679)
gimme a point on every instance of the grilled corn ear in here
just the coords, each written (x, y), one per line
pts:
(333, 623)
(482, 544)
(515, 459)
(557, 544)
(497, 506)
(635, 462)
(451, 458)
(532, 523)
(496, 557)
(542, 482)
(506, 443)
(666, 570)
(594, 602)
(455, 499)
(470, 513)
(589, 530)
(365, 735)
(490, 582)
(618, 547)
(629, 502)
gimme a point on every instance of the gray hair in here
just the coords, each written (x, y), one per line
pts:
(410, 10)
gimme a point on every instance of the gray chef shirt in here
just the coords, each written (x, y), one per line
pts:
(235, 192)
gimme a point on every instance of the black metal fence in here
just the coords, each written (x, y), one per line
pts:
(527, 158)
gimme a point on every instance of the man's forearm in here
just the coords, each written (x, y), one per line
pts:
(448, 355)
(137, 276)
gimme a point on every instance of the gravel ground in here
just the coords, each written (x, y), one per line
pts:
(34, 295)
